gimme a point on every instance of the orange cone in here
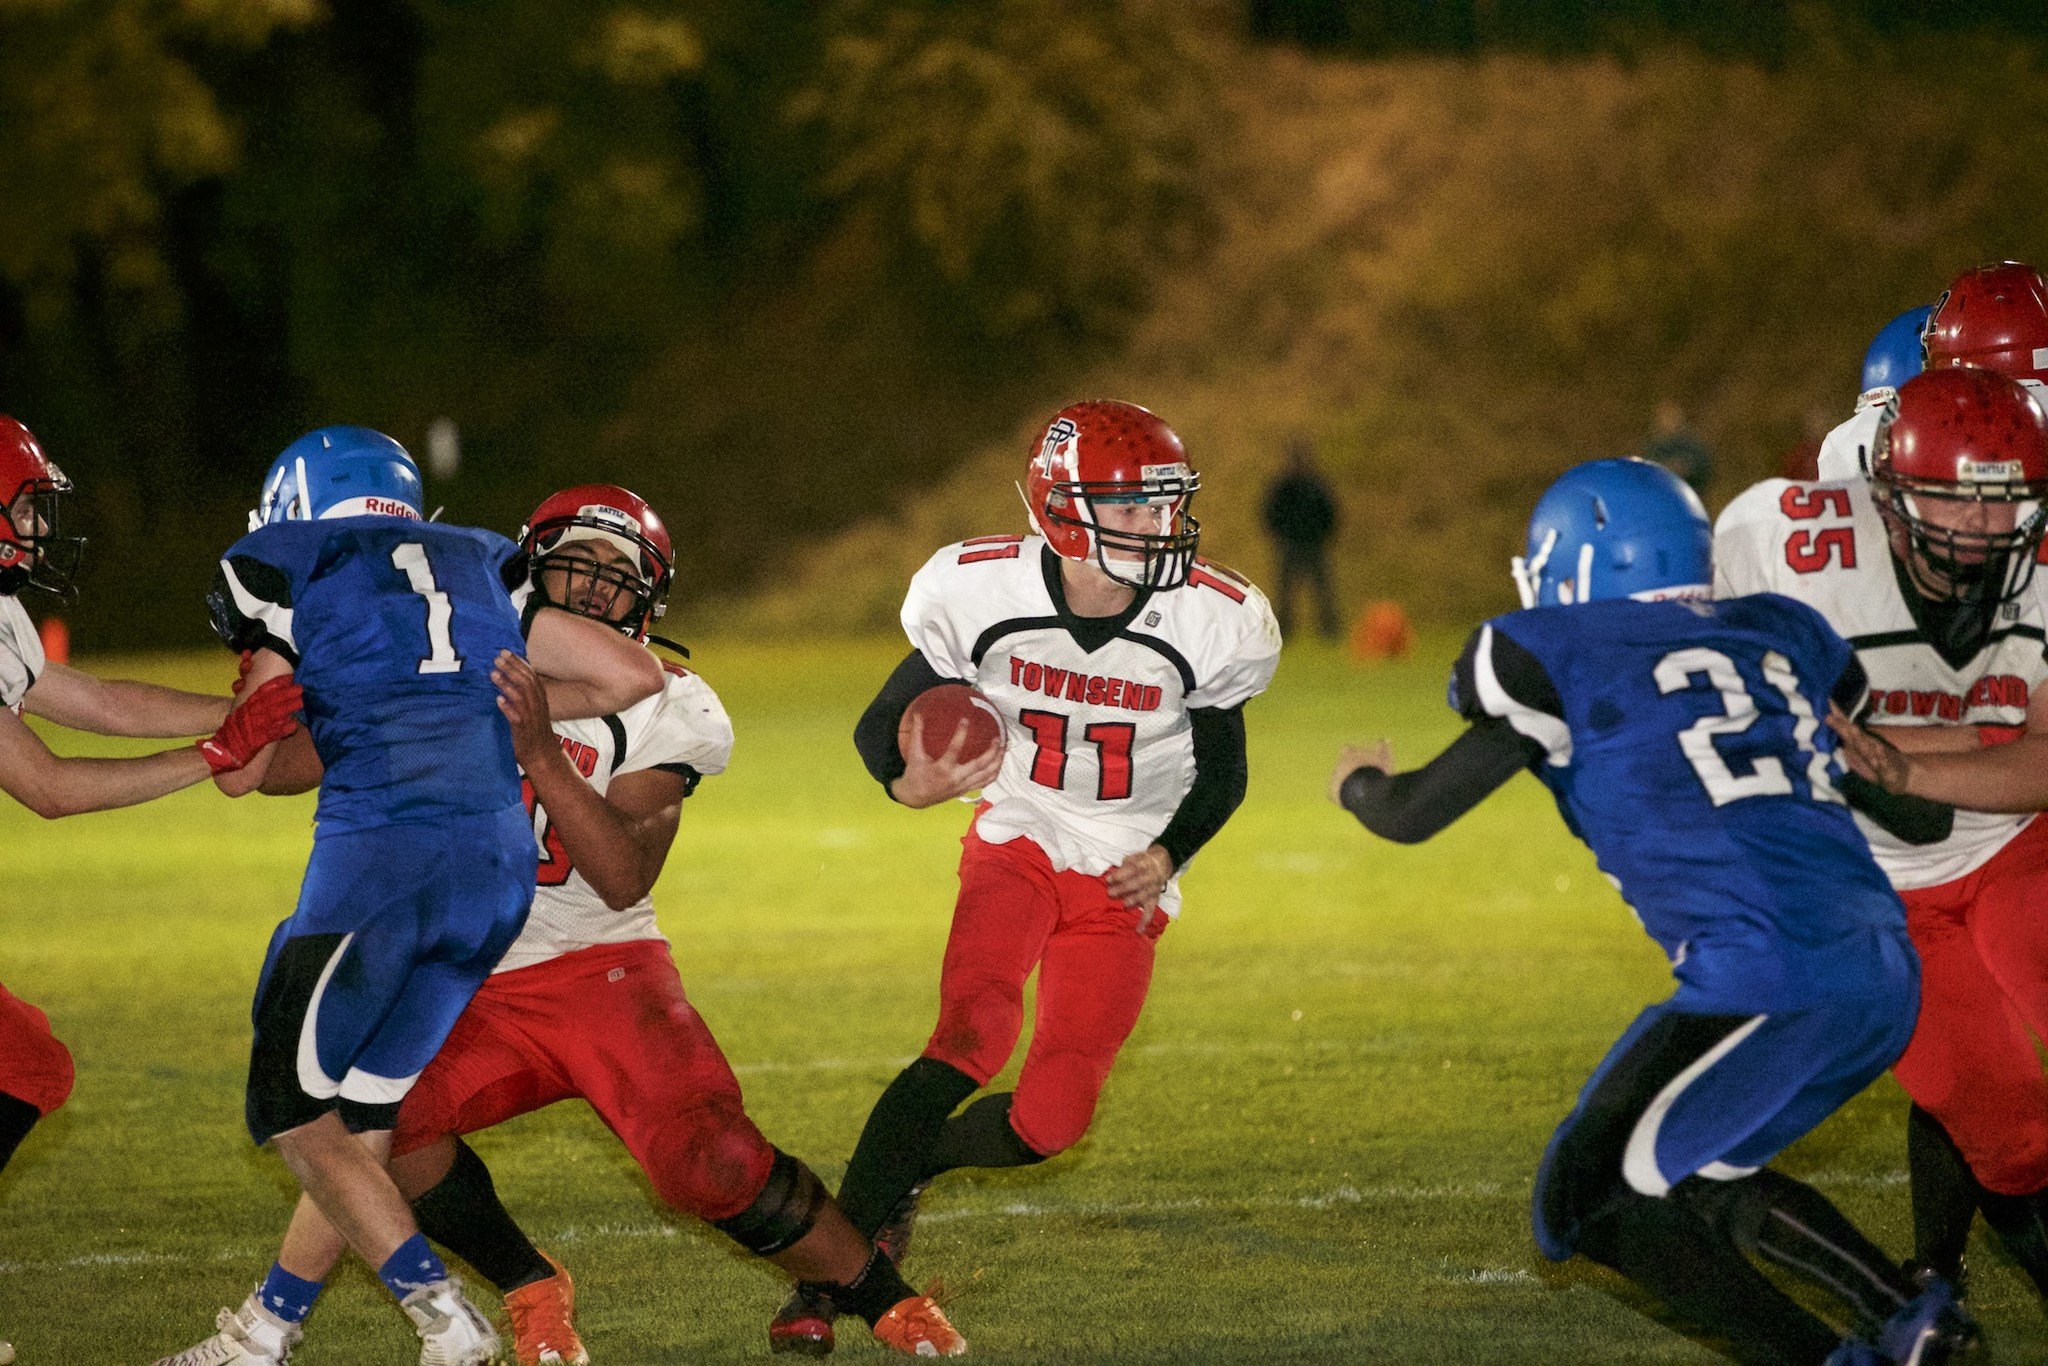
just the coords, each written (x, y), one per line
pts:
(1381, 632)
(56, 638)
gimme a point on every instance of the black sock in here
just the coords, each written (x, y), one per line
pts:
(981, 1136)
(1802, 1231)
(1945, 1195)
(462, 1213)
(878, 1288)
(2019, 1220)
(897, 1141)
(17, 1117)
(1701, 1278)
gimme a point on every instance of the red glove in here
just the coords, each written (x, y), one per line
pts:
(264, 719)
(242, 673)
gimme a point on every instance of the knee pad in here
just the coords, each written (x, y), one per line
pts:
(709, 1160)
(38, 1071)
(1736, 1209)
(782, 1213)
(978, 1028)
(1048, 1123)
(2006, 1152)
(368, 1116)
(53, 1079)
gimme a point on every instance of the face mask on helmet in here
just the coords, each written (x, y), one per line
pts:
(598, 573)
(34, 552)
(1975, 551)
(1141, 537)
(1959, 469)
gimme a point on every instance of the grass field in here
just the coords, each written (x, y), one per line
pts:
(1317, 1146)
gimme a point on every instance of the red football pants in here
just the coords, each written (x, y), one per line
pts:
(34, 1067)
(1015, 913)
(609, 1025)
(1983, 942)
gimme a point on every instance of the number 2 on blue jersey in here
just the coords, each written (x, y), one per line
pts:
(1676, 671)
(411, 558)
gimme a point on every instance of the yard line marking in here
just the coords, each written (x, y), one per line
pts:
(1199, 1049)
(1338, 1197)
(1024, 1209)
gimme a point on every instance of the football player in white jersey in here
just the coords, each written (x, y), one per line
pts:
(1992, 318)
(1120, 665)
(587, 1002)
(35, 1069)
(1895, 355)
(1927, 570)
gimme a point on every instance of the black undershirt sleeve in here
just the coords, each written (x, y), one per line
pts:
(1410, 807)
(875, 734)
(1912, 819)
(1220, 778)
(1852, 689)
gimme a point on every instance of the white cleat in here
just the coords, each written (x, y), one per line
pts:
(6, 1353)
(249, 1336)
(452, 1330)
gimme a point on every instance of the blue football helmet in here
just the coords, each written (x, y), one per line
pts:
(1616, 529)
(339, 472)
(1895, 353)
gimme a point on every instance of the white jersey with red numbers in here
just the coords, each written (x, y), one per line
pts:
(21, 653)
(1825, 544)
(681, 729)
(1845, 451)
(1100, 747)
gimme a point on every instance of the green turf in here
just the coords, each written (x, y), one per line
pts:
(1317, 1146)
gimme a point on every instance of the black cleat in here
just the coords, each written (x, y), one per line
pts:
(893, 1237)
(804, 1323)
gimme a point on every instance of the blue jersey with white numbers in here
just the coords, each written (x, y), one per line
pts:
(391, 626)
(1685, 742)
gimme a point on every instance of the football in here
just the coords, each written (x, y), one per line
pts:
(941, 710)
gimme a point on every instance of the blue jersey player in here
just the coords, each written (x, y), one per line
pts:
(423, 857)
(1683, 741)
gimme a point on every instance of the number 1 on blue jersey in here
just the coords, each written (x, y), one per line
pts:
(411, 557)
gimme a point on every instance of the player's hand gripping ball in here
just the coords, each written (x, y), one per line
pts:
(935, 716)
(952, 742)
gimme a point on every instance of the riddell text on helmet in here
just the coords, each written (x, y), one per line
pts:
(1088, 689)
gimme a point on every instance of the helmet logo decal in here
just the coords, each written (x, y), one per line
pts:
(1056, 452)
(617, 517)
(1990, 471)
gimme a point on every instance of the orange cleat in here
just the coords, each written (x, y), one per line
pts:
(543, 1321)
(916, 1327)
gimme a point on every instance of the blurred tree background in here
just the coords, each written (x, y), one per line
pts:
(806, 273)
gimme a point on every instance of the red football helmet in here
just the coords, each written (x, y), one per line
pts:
(1994, 318)
(33, 551)
(1101, 453)
(1960, 467)
(622, 519)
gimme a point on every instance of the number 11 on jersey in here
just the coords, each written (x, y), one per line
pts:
(1112, 739)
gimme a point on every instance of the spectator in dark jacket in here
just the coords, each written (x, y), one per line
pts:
(1301, 514)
